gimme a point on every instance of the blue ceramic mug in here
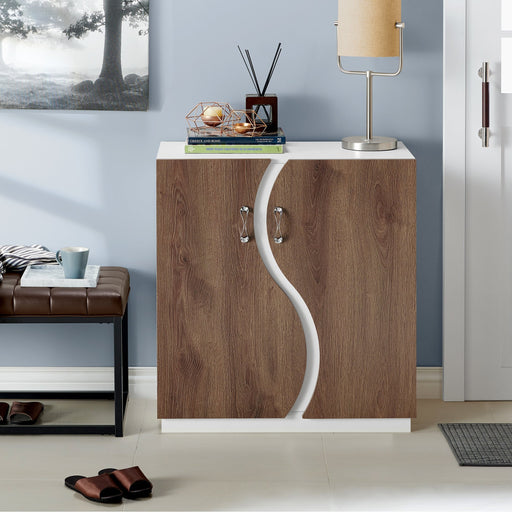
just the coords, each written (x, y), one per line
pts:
(73, 261)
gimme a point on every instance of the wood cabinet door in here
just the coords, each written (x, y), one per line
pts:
(230, 344)
(350, 250)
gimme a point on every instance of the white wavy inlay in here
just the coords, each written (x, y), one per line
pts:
(308, 324)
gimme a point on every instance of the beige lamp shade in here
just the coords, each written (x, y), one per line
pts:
(367, 28)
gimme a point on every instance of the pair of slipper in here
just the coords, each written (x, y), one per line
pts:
(111, 485)
(22, 413)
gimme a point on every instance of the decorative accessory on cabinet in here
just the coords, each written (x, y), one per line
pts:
(269, 104)
(243, 132)
(370, 28)
(237, 127)
(261, 99)
(209, 115)
(246, 122)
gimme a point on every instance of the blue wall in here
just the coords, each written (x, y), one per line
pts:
(69, 178)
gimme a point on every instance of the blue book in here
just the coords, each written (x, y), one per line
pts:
(207, 136)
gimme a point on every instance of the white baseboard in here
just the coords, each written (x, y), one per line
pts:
(429, 382)
(143, 380)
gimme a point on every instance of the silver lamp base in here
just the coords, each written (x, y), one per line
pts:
(361, 143)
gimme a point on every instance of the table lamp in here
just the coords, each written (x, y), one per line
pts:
(370, 28)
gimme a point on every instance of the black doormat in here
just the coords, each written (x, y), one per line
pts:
(480, 444)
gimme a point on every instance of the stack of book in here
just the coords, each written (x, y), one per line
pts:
(205, 142)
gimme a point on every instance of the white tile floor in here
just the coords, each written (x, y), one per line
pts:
(315, 472)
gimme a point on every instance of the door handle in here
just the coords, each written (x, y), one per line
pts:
(278, 215)
(244, 233)
(484, 132)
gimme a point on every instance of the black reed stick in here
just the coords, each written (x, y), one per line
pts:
(248, 70)
(271, 71)
(258, 89)
(253, 72)
(272, 67)
(275, 65)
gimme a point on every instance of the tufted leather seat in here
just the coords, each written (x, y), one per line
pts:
(109, 298)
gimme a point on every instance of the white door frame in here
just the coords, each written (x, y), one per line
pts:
(454, 198)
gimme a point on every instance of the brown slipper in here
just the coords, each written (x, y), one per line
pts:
(25, 413)
(101, 489)
(132, 481)
(4, 408)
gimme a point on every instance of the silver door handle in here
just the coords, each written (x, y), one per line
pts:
(484, 132)
(278, 215)
(244, 233)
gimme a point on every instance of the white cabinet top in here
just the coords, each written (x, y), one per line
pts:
(292, 151)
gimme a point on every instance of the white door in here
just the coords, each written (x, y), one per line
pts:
(478, 203)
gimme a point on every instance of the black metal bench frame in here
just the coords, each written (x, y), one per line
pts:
(119, 395)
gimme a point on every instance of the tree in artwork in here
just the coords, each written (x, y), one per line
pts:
(40, 18)
(12, 24)
(110, 21)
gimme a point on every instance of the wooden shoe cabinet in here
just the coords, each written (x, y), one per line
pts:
(286, 290)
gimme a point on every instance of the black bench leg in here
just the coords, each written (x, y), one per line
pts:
(120, 370)
(125, 356)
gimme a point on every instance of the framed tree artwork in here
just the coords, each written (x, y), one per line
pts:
(74, 54)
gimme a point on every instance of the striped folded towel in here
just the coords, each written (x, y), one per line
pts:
(19, 257)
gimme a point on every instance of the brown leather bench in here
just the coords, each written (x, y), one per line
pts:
(106, 303)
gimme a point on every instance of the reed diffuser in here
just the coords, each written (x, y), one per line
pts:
(262, 100)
